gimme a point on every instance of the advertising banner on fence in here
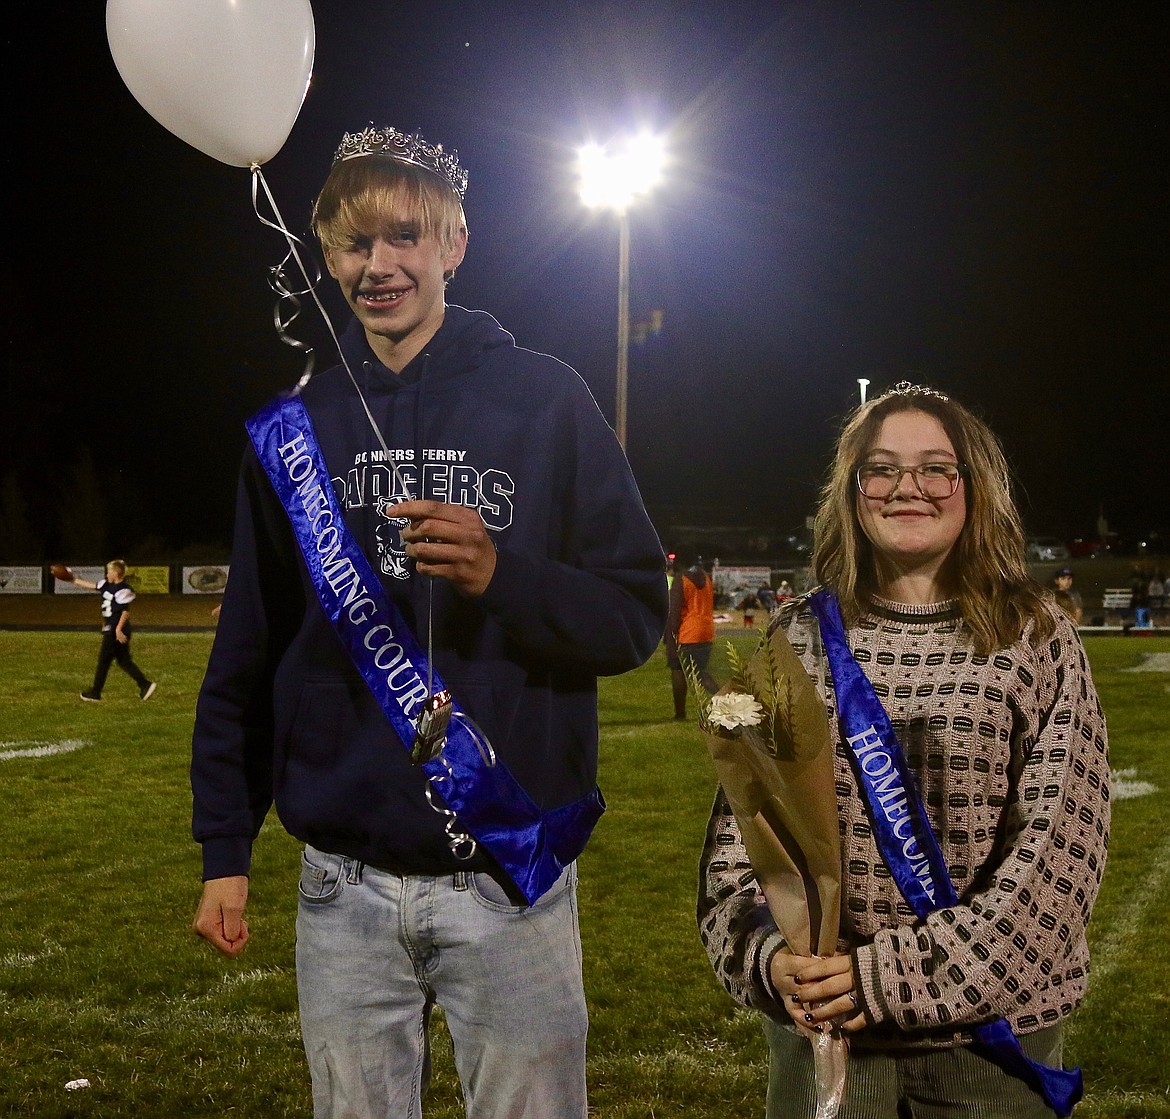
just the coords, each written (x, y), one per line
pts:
(735, 582)
(89, 574)
(210, 579)
(149, 580)
(20, 580)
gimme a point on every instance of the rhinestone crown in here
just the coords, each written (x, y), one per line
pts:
(905, 388)
(406, 148)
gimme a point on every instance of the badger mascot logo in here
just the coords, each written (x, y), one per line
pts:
(392, 557)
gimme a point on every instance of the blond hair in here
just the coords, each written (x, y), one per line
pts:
(997, 597)
(365, 196)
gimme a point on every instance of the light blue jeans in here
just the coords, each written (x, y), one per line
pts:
(376, 951)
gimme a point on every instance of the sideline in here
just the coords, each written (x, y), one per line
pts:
(39, 748)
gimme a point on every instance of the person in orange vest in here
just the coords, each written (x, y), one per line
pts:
(690, 629)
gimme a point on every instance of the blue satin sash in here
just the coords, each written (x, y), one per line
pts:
(906, 841)
(531, 845)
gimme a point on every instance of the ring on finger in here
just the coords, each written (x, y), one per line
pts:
(853, 999)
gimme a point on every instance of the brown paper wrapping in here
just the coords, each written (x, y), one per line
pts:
(783, 796)
(778, 778)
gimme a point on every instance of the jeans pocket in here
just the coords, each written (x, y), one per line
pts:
(490, 894)
(322, 875)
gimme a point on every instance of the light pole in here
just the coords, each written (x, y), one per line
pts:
(862, 385)
(614, 178)
(623, 340)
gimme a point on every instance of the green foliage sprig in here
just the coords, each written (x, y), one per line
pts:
(760, 677)
(702, 696)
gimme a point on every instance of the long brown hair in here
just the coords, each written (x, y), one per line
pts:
(997, 596)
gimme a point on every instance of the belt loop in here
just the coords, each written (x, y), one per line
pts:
(353, 871)
(460, 882)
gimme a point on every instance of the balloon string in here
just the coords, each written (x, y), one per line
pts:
(289, 298)
(279, 283)
(310, 288)
(458, 838)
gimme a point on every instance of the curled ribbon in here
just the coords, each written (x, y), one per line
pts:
(281, 281)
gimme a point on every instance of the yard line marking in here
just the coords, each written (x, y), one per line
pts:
(38, 748)
(27, 959)
(256, 975)
(1151, 662)
(1124, 785)
(631, 731)
(166, 1015)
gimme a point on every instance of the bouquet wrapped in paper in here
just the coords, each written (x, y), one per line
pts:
(768, 736)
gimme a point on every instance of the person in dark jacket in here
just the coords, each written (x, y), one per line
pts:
(117, 595)
(439, 547)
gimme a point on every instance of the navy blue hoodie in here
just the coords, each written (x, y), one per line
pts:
(578, 592)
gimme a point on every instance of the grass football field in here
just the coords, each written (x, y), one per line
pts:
(101, 979)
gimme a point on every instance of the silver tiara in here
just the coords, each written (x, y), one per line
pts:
(905, 388)
(407, 149)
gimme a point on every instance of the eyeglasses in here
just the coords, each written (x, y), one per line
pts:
(934, 480)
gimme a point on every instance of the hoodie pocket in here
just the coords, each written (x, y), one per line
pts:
(323, 722)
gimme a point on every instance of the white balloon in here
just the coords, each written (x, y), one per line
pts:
(226, 76)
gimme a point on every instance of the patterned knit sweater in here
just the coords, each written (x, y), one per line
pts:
(1011, 760)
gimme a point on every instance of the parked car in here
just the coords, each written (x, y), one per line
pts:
(1047, 549)
(1083, 548)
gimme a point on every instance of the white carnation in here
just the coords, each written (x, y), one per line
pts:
(735, 709)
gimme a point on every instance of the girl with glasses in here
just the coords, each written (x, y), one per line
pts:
(925, 603)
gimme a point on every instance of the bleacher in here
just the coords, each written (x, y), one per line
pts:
(1119, 613)
(1117, 598)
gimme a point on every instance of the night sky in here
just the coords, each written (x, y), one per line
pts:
(970, 195)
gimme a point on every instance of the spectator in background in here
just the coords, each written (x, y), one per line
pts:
(784, 592)
(690, 629)
(748, 605)
(767, 597)
(1140, 586)
(1156, 591)
(1068, 598)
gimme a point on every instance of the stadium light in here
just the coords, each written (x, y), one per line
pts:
(614, 178)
